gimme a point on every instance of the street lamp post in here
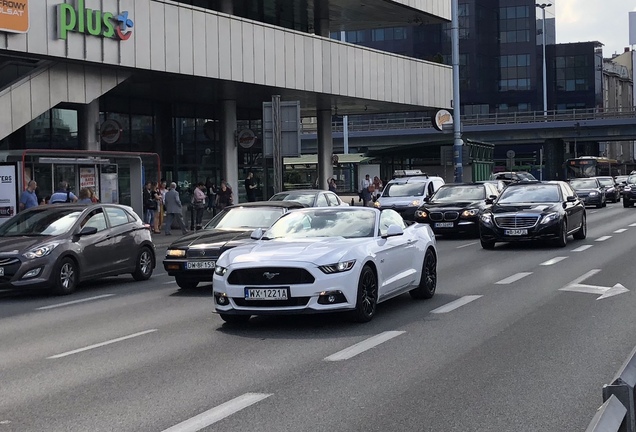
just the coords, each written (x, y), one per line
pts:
(458, 143)
(545, 72)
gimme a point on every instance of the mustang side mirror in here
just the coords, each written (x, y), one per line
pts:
(87, 231)
(393, 230)
(571, 198)
(257, 234)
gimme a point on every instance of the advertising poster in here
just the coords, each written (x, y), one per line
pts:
(8, 192)
(87, 178)
(109, 182)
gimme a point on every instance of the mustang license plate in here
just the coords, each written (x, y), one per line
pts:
(266, 293)
(516, 232)
(200, 265)
(444, 225)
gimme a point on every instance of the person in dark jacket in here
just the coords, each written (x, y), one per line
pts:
(223, 197)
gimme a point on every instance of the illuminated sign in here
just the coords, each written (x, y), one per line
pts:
(92, 22)
(14, 16)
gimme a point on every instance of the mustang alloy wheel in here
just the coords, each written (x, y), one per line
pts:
(67, 277)
(143, 271)
(367, 299)
(428, 281)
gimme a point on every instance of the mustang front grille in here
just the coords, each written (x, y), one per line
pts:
(294, 301)
(516, 221)
(270, 276)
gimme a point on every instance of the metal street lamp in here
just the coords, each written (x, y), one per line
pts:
(545, 73)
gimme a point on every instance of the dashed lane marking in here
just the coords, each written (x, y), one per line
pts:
(582, 248)
(363, 346)
(513, 278)
(600, 239)
(101, 344)
(449, 307)
(218, 413)
(622, 230)
(553, 261)
(632, 225)
(75, 302)
(466, 245)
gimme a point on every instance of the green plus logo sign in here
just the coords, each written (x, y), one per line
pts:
(92, 22)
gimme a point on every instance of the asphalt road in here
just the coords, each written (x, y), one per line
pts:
(499, 348)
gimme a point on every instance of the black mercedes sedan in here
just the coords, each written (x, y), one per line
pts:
(192, 258)
(590, 191)
(612, 191)
(455, 208)
(534, 211)
(60, 245)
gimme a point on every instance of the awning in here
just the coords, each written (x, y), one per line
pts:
(354, 158)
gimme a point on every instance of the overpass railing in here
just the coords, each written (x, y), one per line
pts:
(378, 124)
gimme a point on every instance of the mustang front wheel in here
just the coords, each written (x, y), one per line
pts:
(367, 298)
(428, 281)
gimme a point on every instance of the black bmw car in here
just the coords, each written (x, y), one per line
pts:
(455, 208)
(612, 191)
(629, 191)
(192, 258)
(590, 191)
(534, 211)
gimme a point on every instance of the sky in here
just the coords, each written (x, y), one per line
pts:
(606, 21)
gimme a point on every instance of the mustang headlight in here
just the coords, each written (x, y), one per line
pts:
(338, 267)
(220, 271)
(469, 213)
(549, 218)
(593, 193)
(41, 251)
(176, 253)
(486, 218)
(423, 214)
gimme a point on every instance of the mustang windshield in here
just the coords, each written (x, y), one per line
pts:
(459, 193)
(40, 222)
(306, 198)
(245, 218)
(583, 183)
(530, 194)
(324, 223)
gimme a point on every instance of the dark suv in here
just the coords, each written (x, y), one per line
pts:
(629, 191)
(534, 211)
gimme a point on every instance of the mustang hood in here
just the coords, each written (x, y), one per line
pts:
(16, 245)
(531, 208)
(212, 239)
(320, 251)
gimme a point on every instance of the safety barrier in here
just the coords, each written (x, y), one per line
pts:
(618, 412)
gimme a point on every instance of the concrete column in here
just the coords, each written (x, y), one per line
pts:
(87, 125)
(325, 147)
(554, 155)
(228, 142)
(226, 6)
(321, 18)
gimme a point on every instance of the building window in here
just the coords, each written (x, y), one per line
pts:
(514, 24)
(377, 35)
(571, 73)
(514, 72)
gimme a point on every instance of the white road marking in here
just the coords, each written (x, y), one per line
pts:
(622, 230)
(593, 211)
(513, 278)
(168, 283)
(585, 276)
(160, 274)
(218, 413)
(632, 225)
(75, 302)
(600, 239)
(449, 307)
(582, 248)
(101, 344)
(466, 245)
(363, 346)
(553, 261)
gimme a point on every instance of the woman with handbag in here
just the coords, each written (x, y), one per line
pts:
(198, 204)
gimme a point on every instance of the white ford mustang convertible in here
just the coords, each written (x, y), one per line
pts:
(325, 260)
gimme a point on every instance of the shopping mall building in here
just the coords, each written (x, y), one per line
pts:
(97, 83)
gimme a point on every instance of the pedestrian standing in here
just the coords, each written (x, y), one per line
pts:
(150, 204)
(223, 197)
(211, 191)
(174, 209)
(198, 204)
(250, 187)
(28, 198)
(63, 194)
(332, 185)
(84, 196)
(367, 196)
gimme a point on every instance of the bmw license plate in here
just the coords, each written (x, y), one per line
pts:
(516, 232)
(444, 225)
(200, 265)
(266, 293)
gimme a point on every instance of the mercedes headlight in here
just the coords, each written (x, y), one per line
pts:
(550, 217)
(338, 267)
(176, 253)
(220, 270)
(486, 218)
(469, 213)
(41, 251)
(627, 188)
